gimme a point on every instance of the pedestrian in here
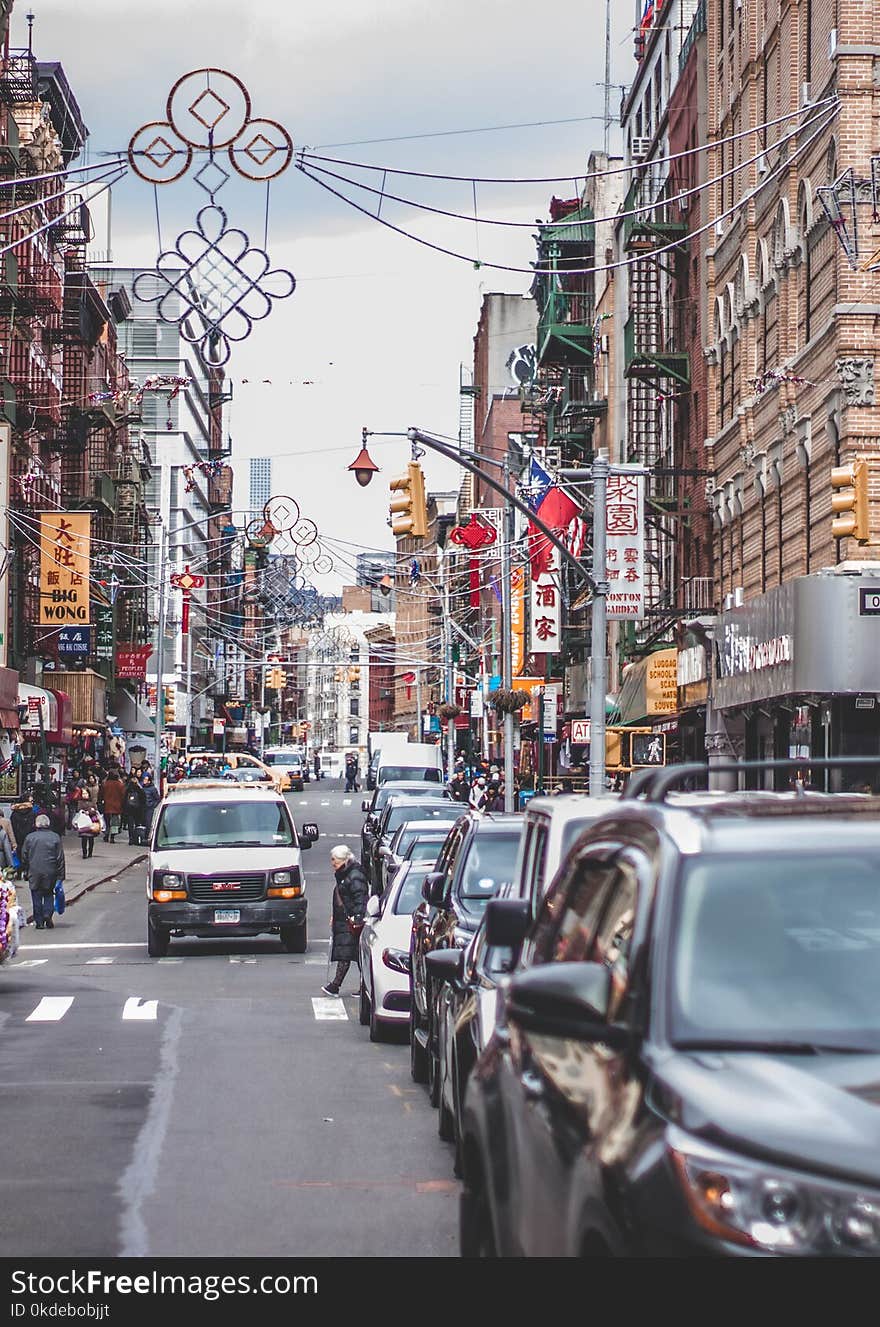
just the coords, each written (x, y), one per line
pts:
(42, 859)
(112, 799)
(135, 810)
(88, 825)
(22, 820)
(152, 798)
(459, 788)
(93, 789)
(317, 765)
(6, 826)
(351, 773)
(349, 905)
(478, 797)
(495, 797)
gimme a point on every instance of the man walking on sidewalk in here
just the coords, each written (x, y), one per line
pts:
(42, 859)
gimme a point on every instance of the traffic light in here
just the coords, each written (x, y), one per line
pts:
(276, 679)
(354, 677)
(168, 706)
(851, 502)
(409, 512)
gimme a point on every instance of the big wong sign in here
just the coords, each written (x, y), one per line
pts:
(65, 543)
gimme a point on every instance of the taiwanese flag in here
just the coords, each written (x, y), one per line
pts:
(647, 17)
(557, 510)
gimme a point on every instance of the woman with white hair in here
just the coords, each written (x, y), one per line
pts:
(349, 905)
(42, 860)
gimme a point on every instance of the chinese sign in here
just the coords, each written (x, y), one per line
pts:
(74, 642)
(545, 607)
(625, 546)
(518, 618)
(131, 662)
(65, 541)
(104, 633)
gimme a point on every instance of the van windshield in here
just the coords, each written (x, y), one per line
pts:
(408, 774)
(224, 825)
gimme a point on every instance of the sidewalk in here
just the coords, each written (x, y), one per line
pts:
(108, 860)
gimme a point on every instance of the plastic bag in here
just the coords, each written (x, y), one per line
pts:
(60, 901)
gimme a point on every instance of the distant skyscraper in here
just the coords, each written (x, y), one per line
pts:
(261, 482)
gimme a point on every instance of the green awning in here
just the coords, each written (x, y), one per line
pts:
(565, 231)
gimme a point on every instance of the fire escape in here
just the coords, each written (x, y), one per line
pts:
(658, 377)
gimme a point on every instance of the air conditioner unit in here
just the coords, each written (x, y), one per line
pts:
(806, 94)
(738, 597)
(832, 44)
(727, 603)
(763, 164)
(603, 344)
(640, 148)
(683, 201)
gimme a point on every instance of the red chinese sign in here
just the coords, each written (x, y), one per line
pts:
(131, 662)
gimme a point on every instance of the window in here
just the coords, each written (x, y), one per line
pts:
(565, 928)
(354, 707)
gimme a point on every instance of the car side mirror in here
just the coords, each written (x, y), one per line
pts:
(570, 1000)
(373, 905)
(445, 964)
(365, 806)
(507, 922)
(434, 888)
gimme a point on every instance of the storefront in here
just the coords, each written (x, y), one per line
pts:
(10, 739)
(692, 684)
(797, 674)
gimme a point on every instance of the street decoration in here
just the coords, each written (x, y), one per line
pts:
(476, 534)
(187, 581)
(214, 283)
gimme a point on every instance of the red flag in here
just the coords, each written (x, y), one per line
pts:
(557, 510)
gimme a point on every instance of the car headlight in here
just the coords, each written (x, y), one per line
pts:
(766, 1207)
(396, 959)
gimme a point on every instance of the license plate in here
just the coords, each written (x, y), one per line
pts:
(227, 915)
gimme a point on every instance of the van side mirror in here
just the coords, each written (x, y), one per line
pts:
(308, 835)
(365, 806)
(507, 922)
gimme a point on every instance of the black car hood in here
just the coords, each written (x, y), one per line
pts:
(818, 1112)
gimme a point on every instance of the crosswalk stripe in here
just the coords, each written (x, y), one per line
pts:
(241, 960)
(136, 1010)
(104, 959)
(114, 944)
(51, 1009)
(31, 962)
(331, 1008)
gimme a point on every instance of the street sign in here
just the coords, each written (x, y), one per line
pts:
(869, 602)
(648, 749)
(131, 662)
(580, 732)
(74, 642)
(104, 634)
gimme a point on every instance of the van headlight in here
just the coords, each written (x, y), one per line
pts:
(766, 1207)
(168, 880)
(285, 884)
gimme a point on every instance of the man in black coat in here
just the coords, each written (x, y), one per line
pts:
(349, 904)
(42, 860)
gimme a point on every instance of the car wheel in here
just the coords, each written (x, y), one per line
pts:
(364, 1006)
(158, 940)
(476, 1237)
(295, 939)
(418, 1058)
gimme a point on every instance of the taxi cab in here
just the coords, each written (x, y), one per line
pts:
(242, 767)
(225, 859)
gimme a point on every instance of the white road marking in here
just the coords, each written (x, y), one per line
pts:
(303, 802)
(170, 960)
(116, 944)
(325, 803)
(30, 963)
(316, 962)
(331, 1008)
(241, 960)
(346, 801)
(136, 1010)
(141, 1177)
(91, 961)
(51, 1009)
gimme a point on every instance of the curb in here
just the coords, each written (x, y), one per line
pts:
(92, 884)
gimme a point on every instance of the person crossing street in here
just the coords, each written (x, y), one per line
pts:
(349, 905)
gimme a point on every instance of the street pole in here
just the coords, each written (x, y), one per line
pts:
(189, 695)
(598, 661)
(160, 654)
(418, 704)
(447, 661)
(507, 640)
(262, 710)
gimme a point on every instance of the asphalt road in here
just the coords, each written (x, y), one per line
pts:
(198, 1106)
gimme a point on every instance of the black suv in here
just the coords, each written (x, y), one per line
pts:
(478, 857)
(687, 1063)
(373, 807)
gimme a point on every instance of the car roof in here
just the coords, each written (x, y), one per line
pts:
(221, 790)
(419, 827)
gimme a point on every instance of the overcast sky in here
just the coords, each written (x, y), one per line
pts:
(378, 325)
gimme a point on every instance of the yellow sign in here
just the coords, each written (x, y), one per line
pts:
(518, 618)
(529, 712)
(65, 541)
(661, 682)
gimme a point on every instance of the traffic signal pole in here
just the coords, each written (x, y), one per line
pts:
(160, 655)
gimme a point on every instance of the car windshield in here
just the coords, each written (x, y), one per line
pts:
(410, 894)
(781, 952)
(489, 865)
(401, 773)
(399, 815)
(424, 850)
(224, 825)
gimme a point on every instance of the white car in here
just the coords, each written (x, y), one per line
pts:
(384, 951)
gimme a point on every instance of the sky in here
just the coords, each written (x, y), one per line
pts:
(378, 325)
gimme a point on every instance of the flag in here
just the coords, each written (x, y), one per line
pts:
(647, 17)
(557, 510)
(539, 484)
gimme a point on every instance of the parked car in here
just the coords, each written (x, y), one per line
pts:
(373, 807)
(398, 811)
(467, 982)
(686, 1061)
(415, 840)
(550, 827)
(225, 859)
(384, 951)
(477, 858)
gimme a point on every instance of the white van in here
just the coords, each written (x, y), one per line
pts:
(420, 762)
(332, 764)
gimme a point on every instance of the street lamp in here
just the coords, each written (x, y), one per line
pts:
(364, 466)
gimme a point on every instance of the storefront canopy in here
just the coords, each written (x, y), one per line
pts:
(649, 688)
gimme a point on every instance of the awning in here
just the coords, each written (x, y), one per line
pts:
(131, 717)
(62, 733)
(650, 688)
(9, 697)
(37, 700)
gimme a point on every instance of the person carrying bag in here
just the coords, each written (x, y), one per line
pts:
(88, 825)
(349, 906)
